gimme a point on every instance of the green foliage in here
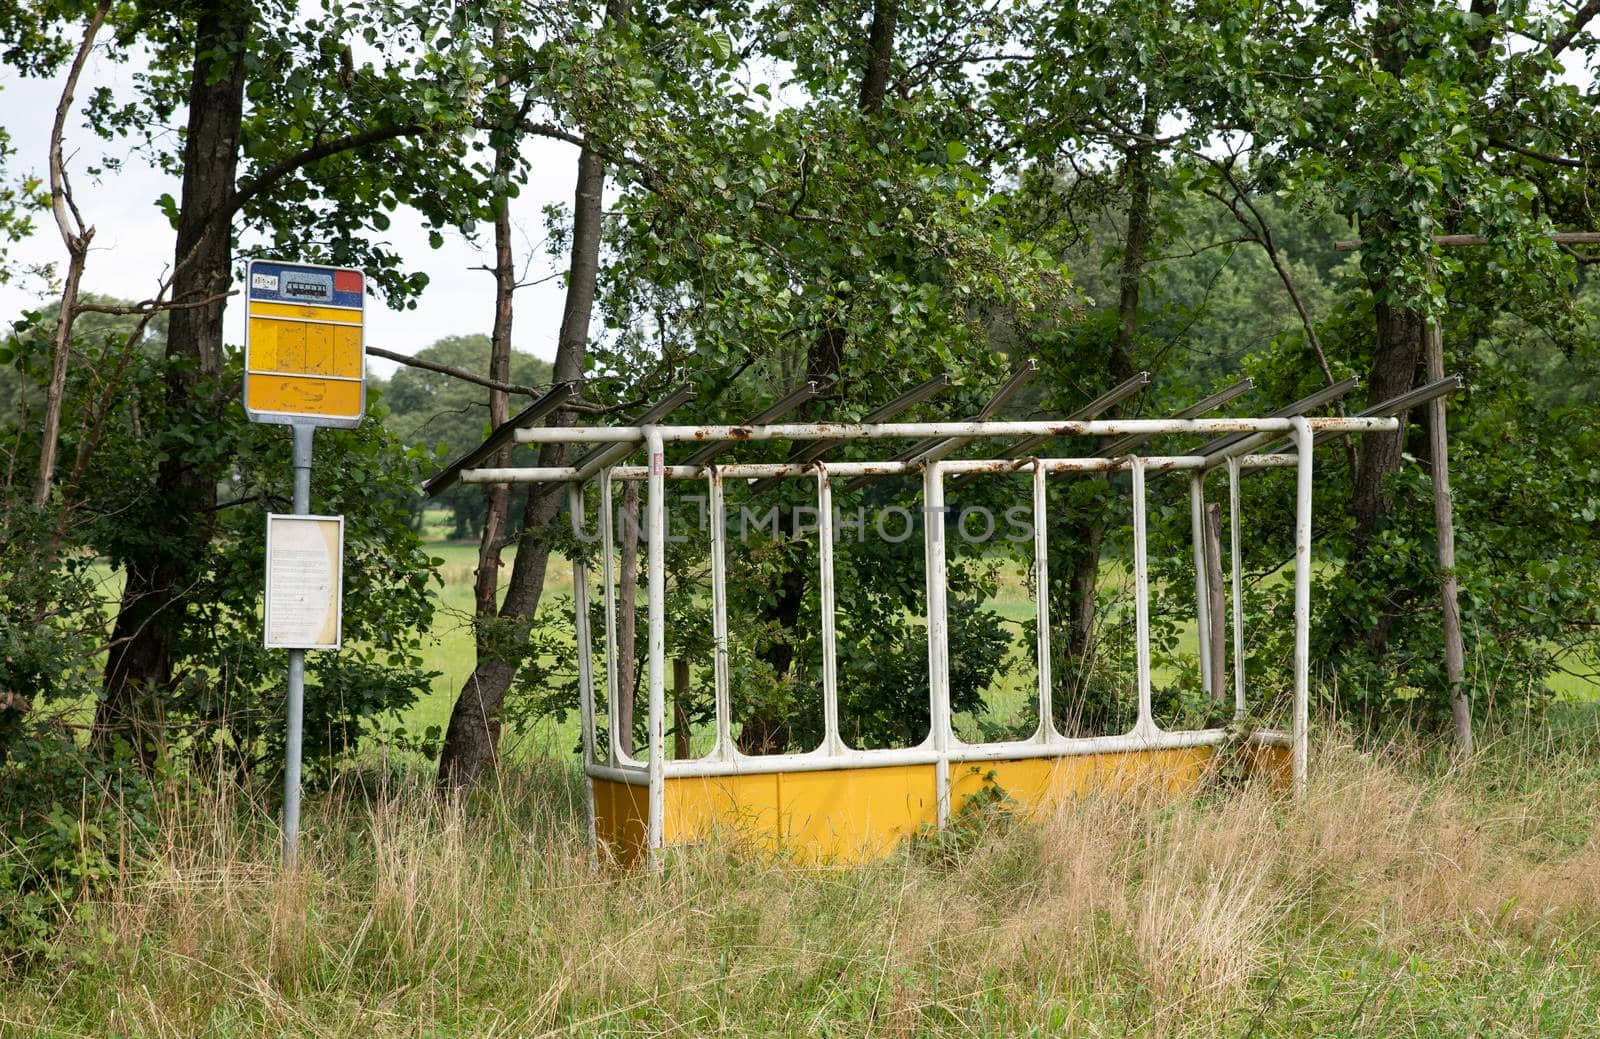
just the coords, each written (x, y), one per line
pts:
(71, 825)
(226, 688)
(984, 818)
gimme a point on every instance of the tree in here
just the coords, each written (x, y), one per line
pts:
(472, 739)
(271, 107)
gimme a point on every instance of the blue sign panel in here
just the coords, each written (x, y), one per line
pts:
(274, 282)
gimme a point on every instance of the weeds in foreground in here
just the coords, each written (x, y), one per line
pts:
(1398, 898)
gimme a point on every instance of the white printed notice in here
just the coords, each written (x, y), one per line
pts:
(305, 581)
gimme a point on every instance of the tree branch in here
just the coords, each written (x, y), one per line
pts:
(151, 306)
(456, 373)
(77, 243)
(322, 150)
(60, 188)
(1580, 19)
(1554, 160)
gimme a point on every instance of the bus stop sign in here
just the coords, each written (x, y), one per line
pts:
(304, 359)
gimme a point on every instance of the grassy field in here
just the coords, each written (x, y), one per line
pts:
(1402, 897)
(1399, 898)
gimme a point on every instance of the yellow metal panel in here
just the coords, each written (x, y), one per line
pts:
(621, 819)
(742, 807)
(347, 352)
(299, 348)
(841, 815)
(853, 815)
(859, 814)
(1276, 763)
(1044, 783)
(299, 395)
(296, 312)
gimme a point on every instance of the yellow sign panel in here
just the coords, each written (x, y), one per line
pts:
(305, 361)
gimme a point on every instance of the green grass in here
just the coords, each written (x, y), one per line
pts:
(1399, 898)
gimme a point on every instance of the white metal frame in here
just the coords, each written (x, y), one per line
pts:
(942, 747)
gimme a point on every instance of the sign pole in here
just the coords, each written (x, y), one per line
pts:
(305, 366)
(303, 433)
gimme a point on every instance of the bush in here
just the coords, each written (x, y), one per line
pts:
(70, 822)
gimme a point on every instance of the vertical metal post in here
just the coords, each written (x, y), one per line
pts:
(1041, 604)
(938, 635)
(580, 611)
(1146, 725)
(1302, 603)
(608, 540)
(657, 526)
(719, 617)
(297, 667)
(1202, 596)
(1236, 572)
(830, 648)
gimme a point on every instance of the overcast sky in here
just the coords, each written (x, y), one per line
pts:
(133, 242)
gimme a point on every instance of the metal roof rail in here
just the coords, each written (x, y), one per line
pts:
(1218, 449)
(934, 449)
(912, 397)
(1112, 397)
(779, 408)
(1226, 395)
(499, 437)
(601, 457)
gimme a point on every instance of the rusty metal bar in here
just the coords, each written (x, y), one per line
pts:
(1145, 725)
(959, 467)
(719, 618)
(1236, 574)
(911, 398)
(585, 647)
(908, 430)
(780, 408)
(1200, 407)
(1041, 604)
(656, 510)
(831, 743)
(1302, 604)
(938, 634)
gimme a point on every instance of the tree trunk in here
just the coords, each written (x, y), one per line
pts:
(472, 739)
(497, 496)
(1084, 576)
(628, 617)
(182, 507)
(1394, 365)
(763, 734)
(680, 708)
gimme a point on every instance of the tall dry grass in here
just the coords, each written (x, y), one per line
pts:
(1398, 898)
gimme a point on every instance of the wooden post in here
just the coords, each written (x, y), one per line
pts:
(1443, 507)
(680, 708)
(1444, 521)
(627, 617)
(1217, 610)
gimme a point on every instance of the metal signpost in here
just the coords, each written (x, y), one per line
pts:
(305, 366)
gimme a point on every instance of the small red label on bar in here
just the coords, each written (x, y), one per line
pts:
(657, 464)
